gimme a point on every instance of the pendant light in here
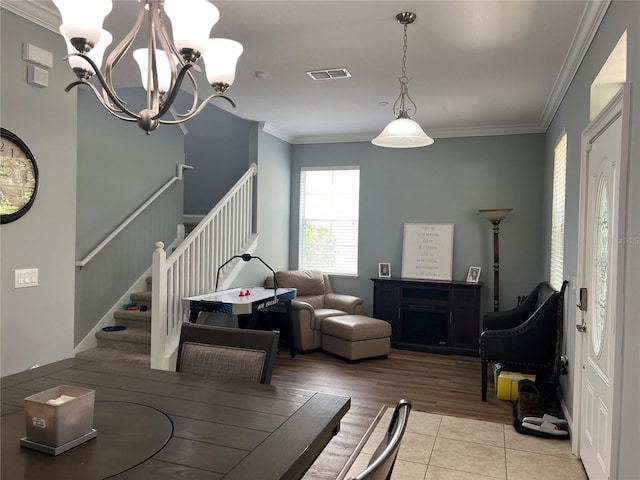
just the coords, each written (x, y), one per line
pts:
(403, 132)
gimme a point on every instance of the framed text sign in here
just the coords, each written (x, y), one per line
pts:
(427, 251)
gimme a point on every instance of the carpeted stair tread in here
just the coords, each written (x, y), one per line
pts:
(99, 353)
(132, 335)
(144, 297)
(134, 315)
(133, 319)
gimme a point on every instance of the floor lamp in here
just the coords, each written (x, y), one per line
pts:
(495, 216)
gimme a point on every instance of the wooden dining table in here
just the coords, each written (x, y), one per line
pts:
(154, 424)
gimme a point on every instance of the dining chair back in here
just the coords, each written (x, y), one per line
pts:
(384, 458)
(227, 353)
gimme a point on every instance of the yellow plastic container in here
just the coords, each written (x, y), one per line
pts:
(508, 384)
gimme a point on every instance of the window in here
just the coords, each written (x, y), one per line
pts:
(329, 209)
(557, 214)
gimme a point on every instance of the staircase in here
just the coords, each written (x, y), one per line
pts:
(192, 268)
(131, 345)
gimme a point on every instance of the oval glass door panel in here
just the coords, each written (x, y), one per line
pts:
(601, 265)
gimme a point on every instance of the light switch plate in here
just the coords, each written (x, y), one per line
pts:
(26, 278)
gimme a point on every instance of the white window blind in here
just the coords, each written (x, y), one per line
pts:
(557, 215)
(329, 211)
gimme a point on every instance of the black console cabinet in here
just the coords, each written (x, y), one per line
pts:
(430, 315)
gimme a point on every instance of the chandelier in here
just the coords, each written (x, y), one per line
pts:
(403, 132)
(164, 64)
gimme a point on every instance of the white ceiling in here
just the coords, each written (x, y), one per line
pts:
(476, 67)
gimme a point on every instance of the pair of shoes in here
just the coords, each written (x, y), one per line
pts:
(546, 418)
(547, 428)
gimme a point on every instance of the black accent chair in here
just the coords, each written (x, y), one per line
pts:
(384, 458)
(227, 353)
(529, 335)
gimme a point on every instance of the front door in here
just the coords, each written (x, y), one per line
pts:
(600, 314)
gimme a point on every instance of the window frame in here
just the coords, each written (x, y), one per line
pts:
(303, 216)
(558, 212)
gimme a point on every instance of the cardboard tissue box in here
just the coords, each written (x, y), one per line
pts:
(59, 416)
(508, 384)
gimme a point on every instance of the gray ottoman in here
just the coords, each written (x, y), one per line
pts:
(356, 337)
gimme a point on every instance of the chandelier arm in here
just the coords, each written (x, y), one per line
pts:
(194, 85)
(415, 107)
(171, 50)
(187, 116)
(171, 95)
(398, 106)
(176, 81)
(153, 89)
(114, 57)
(106, 105)
(169, 47)
(106, 88)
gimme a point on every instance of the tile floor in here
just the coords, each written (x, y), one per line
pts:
(437, 447)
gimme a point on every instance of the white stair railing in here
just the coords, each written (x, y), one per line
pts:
(191, 269)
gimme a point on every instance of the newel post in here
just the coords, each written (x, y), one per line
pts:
(159, 308)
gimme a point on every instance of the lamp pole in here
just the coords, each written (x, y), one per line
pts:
(495, 216)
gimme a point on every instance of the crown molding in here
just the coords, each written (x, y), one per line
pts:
(592, 16)
(36, 12)
(275, 132)
(433, 133)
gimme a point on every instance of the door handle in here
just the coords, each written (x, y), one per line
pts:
(582, 327)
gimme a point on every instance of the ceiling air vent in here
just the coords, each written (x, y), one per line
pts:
(329, 74)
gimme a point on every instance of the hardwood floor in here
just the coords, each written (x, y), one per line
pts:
(442, 384)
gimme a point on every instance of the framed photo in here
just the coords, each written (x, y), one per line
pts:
(384, 270)
(474, 274)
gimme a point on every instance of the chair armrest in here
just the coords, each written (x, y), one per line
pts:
(304, 325)
(302, 305)
(346, 303)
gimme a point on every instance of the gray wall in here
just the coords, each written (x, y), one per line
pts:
(217, 146)
(447, 182)
(119, 168)
(573, 116)
(37, 323)
(273, 157)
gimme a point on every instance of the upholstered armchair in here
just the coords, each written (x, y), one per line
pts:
(315, 300)
(528, 335)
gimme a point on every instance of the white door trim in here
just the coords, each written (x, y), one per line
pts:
(617, 107)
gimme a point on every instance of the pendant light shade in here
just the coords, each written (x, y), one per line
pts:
(220, 59)
(403, 132)
(80, 66)
(191, 22)
(163, 68)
